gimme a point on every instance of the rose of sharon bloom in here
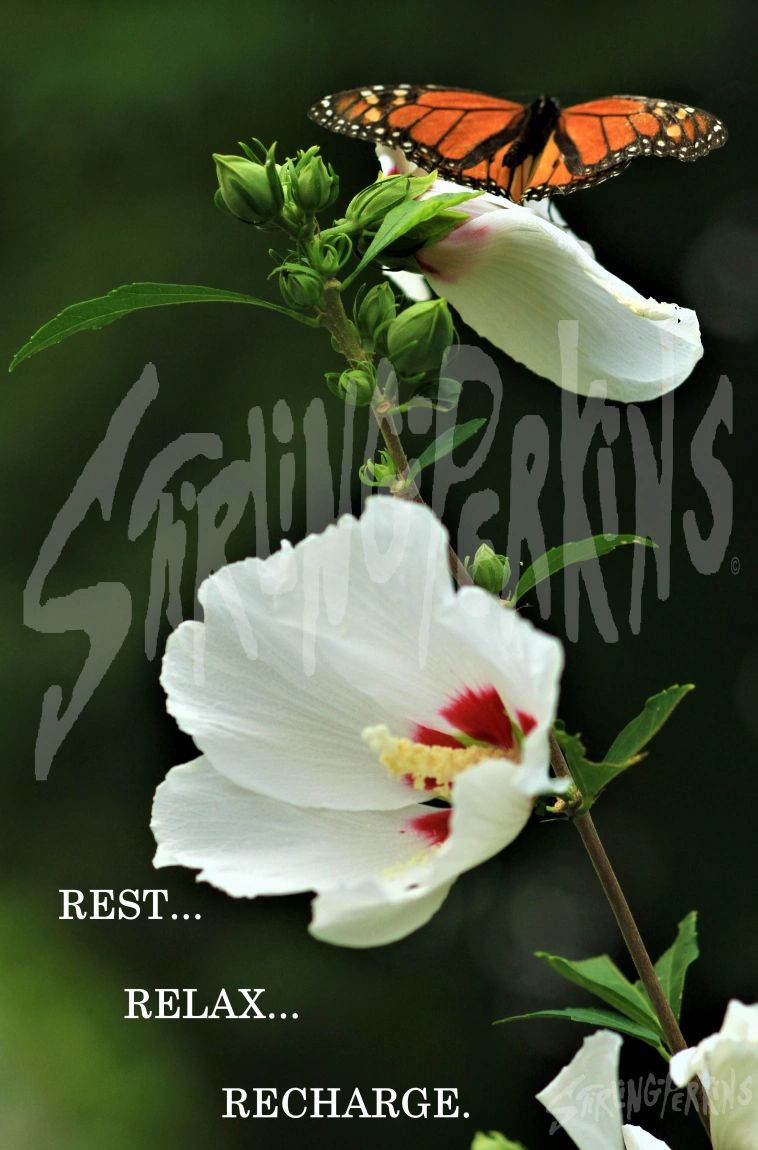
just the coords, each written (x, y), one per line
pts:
(519, 277)
(727, 1065)
(337, 689)
(585, 1100)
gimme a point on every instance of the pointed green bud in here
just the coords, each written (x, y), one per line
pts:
(373, 203)
(354, 386)
(374, 313)
(418, 338)
(250, 191)
(330, 256)
(300, 285)
(313, 184)
(379, 472)
(490, 570)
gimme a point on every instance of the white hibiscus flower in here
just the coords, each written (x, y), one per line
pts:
(727, 1065)
(584, 1098)
(334, 691)
(519, 277)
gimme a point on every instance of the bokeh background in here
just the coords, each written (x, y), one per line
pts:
(110, 113)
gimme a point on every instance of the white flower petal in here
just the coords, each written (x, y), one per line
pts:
(412, 284)
(514, 277)
(250, 845)
(584, 1097)
(372, 915)
(635, 1138)
(435, 642)
(393, 161)
(491, 809)
(727, 1064)
(265, 686)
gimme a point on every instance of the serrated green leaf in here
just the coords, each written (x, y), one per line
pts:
(637, 734)
(557, 558)
(601, 977)
(92, 314)
(673, 964)
(445, 443)
(406, 216)
(493, 1140)
(591, 1016)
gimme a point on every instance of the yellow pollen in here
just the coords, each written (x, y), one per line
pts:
(402, 757)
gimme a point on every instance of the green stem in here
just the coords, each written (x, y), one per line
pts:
(630, 933)
(335, 319)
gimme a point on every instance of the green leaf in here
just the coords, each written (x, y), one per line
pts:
(406, 216)
(559, 557)
(590, 777)
(492, 1140)
(446, 443)
(592, 1016)
(92, 314)
(601, 977)
(627, 745)
(673, 964)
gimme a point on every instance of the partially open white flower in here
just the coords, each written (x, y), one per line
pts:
(334, 690)
(584, 1098)
(519, 277)
(727, 1065)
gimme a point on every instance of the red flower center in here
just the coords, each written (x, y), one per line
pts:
(479, 715)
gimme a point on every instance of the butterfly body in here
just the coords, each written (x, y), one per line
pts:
(522, 152)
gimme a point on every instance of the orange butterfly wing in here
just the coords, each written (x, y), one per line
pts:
(509, 149)
(460, 134)
(594, 141)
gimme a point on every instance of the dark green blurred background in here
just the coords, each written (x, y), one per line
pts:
(110, 114)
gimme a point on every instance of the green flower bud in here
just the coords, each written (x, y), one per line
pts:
(354, 386)
(489, 570)
(314, 185)
(379, 472)
(250, 191)
(373, 203)
(418, 338)
(300, 285)
(330, 256)
(374, 313)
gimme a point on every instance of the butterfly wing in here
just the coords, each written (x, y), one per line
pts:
(592, 142)
(523, 153)
(463, 135)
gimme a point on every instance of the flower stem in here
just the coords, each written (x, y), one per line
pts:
(630, 933)
(333, 316)
(335, 319)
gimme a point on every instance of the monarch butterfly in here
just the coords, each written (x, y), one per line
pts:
(523, 152)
